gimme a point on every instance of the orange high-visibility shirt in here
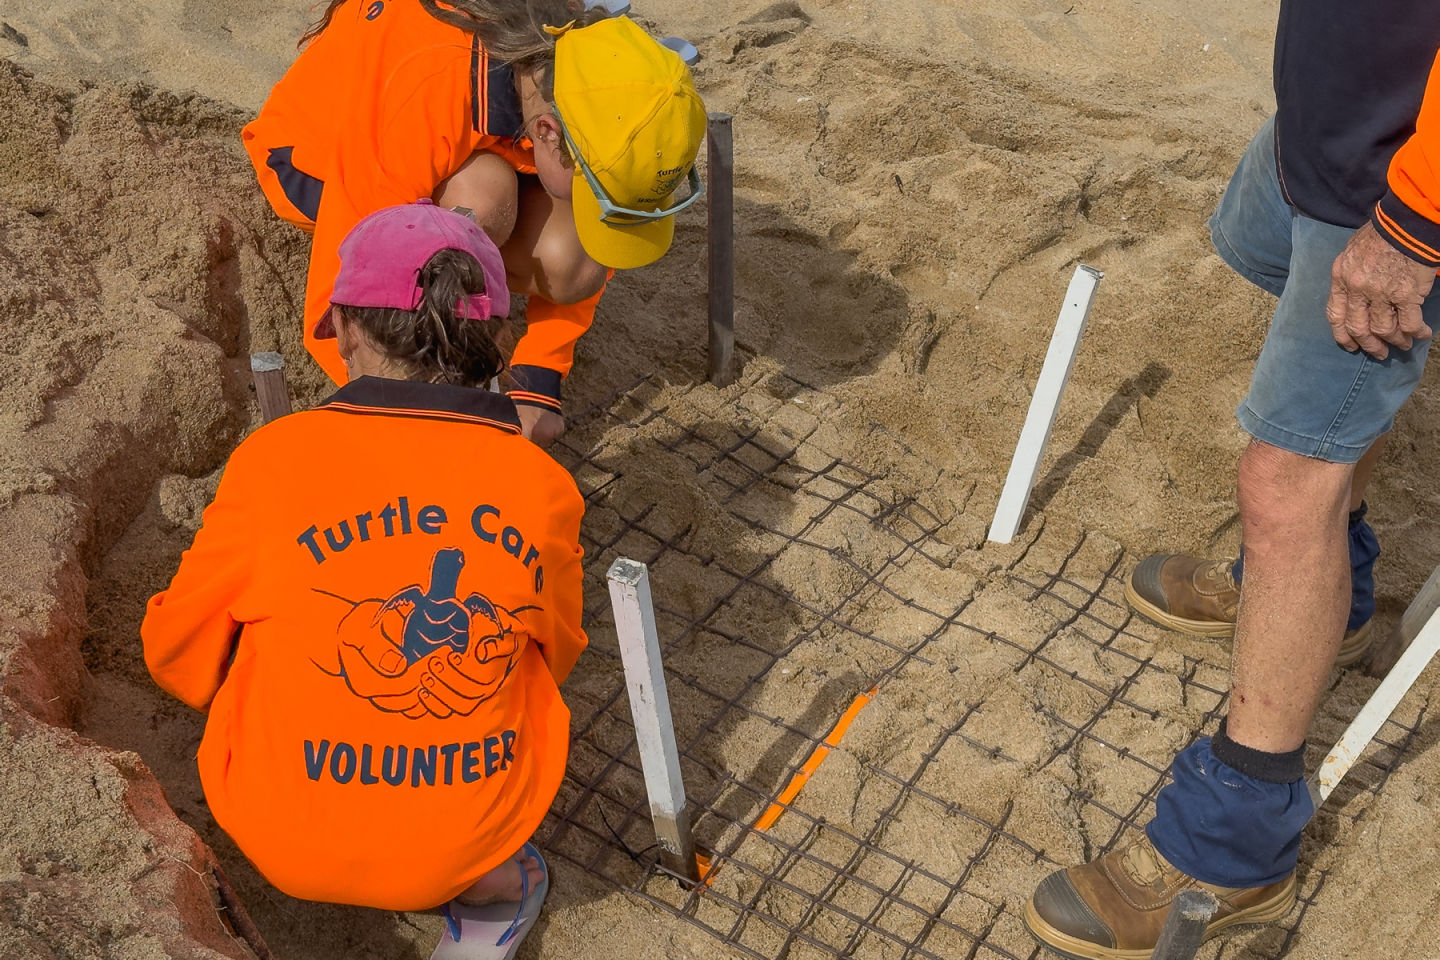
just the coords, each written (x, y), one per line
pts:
(1409, 213)
(377, 612)
(379, 109)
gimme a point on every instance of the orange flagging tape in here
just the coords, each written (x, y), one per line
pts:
(707, 865)
(702, 864)
(812, 763)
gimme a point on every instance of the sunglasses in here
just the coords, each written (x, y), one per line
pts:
(610, 211)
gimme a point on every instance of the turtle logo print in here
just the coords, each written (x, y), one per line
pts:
(435, 618)
(424, 651)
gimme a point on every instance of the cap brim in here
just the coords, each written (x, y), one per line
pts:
(325, 327)
(614, 246)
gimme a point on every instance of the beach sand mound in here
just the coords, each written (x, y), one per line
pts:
(133, 260)
(914, 183)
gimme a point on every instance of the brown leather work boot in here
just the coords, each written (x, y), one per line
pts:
(1199, 597)
(1113, 908)
(1186, 594)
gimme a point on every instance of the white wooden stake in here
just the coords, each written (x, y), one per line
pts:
(1059, 359)
(1376, 711)
(1426, 602)
(650, 708)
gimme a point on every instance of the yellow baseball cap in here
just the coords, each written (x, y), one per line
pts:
(634, 124)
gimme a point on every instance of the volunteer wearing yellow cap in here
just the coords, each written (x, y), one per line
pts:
(570, 136)
(631, 121)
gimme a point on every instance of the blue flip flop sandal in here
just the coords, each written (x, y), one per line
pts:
(494, 931)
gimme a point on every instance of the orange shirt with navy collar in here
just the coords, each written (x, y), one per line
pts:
(379, 109)
(1408, 215)
(377, 613)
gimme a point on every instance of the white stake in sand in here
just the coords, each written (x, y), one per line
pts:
(1421, 609)
(1376, 711)
(650, 708)
(1059, 359)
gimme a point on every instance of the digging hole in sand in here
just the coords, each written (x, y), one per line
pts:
(1023, 719)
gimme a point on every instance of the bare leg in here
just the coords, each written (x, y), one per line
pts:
(1296, 595)
(543, 255)
(502, 883)
(1364, 468)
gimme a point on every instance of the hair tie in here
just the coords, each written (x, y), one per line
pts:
(558, 31)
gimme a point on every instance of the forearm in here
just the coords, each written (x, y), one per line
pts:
(188, 644)
(191, 627)
(545, 354)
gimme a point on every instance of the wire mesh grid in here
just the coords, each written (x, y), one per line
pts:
(819, 885)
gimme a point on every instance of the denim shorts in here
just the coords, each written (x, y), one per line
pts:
(1308, 395)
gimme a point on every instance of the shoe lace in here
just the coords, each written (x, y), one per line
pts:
(1219, 572)
(1142, 863)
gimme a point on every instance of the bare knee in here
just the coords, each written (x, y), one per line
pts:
(497, 223)
(568, 273)
(544, 255)
(1283, 495)
(488, 187)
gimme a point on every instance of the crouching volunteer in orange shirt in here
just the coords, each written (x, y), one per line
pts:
(573, 146)
(381, 603)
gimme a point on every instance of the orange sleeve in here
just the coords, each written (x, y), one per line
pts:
(544, 355)
(192, 627)
(330, 229)
(563, 581)
(1409, 214)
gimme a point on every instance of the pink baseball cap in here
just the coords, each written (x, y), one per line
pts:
(381, 260)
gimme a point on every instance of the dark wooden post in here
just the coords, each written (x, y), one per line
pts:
(722, 248)
(270, 387)
(235, 915)
(1185, 925)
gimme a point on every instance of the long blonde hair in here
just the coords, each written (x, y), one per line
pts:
(511, 31)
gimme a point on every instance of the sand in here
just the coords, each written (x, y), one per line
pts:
(914, 183)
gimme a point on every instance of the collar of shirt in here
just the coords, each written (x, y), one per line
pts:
(380, 396)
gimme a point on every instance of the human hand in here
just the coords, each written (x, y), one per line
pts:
(541, 426)
(373, 662)
(459, 682)
(441, 684)
(1375, 296)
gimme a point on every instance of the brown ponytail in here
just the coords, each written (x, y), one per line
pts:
(433, 342)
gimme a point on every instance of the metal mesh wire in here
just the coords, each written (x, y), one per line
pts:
(811, 886)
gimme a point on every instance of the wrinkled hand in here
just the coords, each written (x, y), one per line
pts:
(1375, 296)
(373, 659)
(459, 682)
(542, 427)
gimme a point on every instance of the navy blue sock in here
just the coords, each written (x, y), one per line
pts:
(1364, 548)
(1269, 767)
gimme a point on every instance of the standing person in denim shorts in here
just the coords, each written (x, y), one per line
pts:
(1335, 209)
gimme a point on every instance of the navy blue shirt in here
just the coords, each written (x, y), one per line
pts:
(1349, 78)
